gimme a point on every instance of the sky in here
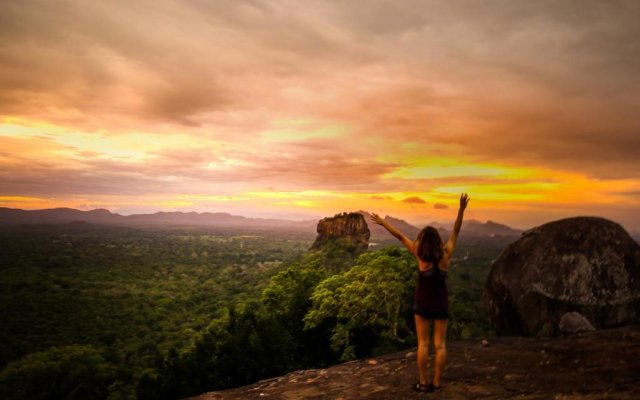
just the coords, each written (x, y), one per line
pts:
(300, 110)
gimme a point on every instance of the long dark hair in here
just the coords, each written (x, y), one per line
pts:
(429, 244)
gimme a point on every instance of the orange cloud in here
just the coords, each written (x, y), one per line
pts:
(414, 200)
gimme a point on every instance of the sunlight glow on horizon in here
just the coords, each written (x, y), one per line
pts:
(492, 186)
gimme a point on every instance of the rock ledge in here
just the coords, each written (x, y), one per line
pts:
(590, 365)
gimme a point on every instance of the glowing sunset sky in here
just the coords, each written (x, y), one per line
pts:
(302, 109)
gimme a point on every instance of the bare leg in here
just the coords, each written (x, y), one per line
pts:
(439, 336)
(422, 332)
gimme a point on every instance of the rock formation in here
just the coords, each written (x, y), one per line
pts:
(350, 228)
(584, 271)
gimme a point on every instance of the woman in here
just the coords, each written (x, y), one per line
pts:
(430, 303)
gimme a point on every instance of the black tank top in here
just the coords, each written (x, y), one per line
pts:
(431, 291)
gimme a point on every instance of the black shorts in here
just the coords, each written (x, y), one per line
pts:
(430, 314)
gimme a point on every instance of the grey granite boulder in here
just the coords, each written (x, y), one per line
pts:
(588, 265)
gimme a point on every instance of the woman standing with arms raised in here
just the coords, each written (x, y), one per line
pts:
(430, 302)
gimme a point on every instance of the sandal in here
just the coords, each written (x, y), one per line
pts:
(419, 387)
(434, 388)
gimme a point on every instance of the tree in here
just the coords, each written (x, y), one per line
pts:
(370, 303)
(288, 299)
(68, 372)
(240, 347)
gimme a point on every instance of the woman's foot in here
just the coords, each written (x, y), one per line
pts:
(419, 387)
(434, 388)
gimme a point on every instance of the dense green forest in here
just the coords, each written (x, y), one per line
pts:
(94, 312)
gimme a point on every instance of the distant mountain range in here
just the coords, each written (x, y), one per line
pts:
(13, 216)
(490, 228)
(470, 227)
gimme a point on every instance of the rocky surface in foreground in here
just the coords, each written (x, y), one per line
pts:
(594, 365)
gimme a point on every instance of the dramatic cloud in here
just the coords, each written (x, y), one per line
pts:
(523, 102)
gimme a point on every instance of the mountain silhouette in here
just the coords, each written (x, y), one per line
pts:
(65, 215)
(12, 216)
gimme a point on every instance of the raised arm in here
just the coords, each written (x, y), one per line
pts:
(392, 230)
(451, 243)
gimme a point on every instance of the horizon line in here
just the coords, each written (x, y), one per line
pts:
(415, 224)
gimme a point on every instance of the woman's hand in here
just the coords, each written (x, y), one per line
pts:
(451, 243)
(376, 219)
(464, 200)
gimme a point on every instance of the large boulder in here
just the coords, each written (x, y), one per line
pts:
(584, 265)
(349, 229)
